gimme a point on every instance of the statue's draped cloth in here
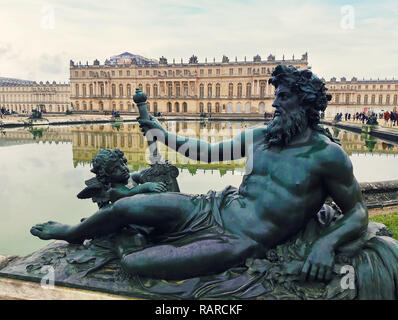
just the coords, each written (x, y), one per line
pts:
(373, 258)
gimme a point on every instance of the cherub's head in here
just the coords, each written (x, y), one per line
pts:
(110, 166)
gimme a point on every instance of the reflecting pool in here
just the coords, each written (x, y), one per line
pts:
(42, 169)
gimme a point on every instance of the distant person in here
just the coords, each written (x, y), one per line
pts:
(393, 118)
(386, 118)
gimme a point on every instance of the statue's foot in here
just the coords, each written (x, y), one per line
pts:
(52, 230)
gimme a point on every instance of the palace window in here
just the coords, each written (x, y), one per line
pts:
(209, 72)
(395, 99)
(177, 107)
(113, 72)
(380, 99)
(358, 99)
(113, 90)
(128, 73)
(249, 70)
(248, 90)
(366, 99)
(239, 94)
(240, 71)
(209, 107)
(337, 98)
(169, 89)
(147, 72)
(184, 107)
(148, 90)
(185, 86)
(77, 90)
(91, 90)
(201, 90)
(218, 90)
(178, 90)
(155, 90)
(121, 90)
(388, 99)
(140, 72)
(120, 72)
(102, 89)
(84, 90)
(347, 98)
(231, 71)
(202, 72)
(217, 71)
(230, 89)
(217, 107)
(262, 89)
(155, 107)
(129, 90)
(169, 107)
(209, 90)
(373, 99)
(201, 107)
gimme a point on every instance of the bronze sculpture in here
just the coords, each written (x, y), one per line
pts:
(293, 166)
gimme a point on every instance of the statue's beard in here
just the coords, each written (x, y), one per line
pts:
(283, 128)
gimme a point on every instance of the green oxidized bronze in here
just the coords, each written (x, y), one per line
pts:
(272, 238)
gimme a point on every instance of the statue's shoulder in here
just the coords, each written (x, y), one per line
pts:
(331, 155)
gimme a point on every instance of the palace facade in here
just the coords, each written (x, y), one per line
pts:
(361, 96)
(23, 96)
(175, 88)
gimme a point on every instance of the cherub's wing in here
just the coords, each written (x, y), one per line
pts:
(94, 189)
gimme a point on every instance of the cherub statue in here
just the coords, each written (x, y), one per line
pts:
(111, 182)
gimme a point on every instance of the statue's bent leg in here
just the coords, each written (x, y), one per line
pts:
(162, 211)
(198, 258)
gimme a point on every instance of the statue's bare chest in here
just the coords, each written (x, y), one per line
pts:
(291, 168)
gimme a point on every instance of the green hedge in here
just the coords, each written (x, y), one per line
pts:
(389, 220)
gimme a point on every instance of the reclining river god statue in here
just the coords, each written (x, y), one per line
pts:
(274, 236)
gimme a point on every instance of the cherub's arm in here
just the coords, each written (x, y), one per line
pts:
(119, 192)
(344, 189)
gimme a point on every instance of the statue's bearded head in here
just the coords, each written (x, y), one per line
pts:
(299, 97)
(110, 166)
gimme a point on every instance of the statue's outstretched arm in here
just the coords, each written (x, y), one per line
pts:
(344, 189)
(200, 150)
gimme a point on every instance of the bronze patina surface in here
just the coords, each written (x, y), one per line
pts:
(272, 238)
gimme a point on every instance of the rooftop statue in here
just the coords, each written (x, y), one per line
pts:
(272, 237)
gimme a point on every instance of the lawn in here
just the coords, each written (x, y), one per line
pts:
(389, 220)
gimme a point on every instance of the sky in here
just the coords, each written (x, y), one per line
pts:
(343, 38)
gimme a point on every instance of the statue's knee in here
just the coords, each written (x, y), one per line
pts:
(119, 208)
(133, 264)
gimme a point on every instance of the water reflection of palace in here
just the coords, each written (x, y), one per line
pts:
(89, 139)
(354, 143)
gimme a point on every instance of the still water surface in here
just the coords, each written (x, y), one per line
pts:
(42, 170)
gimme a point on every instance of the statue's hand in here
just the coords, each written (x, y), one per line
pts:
(319, 263)
(154, 187)
(150, 124)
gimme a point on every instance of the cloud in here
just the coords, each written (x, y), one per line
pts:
(51, 63)
(208, 28)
